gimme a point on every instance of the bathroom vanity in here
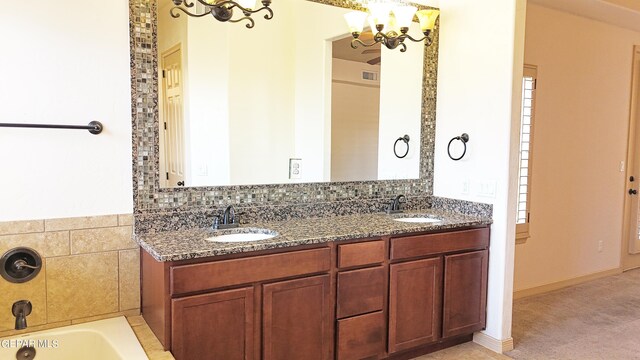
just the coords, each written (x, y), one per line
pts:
(358, 287)
(340, 280)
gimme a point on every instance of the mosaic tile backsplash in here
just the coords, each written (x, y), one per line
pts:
(303, 199)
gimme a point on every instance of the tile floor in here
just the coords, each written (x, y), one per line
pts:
(467, 351)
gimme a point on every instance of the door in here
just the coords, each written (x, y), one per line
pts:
(415, 293)
(631, 244)
(172, 118)
(213, 326)
(465, 293)
(297, 320)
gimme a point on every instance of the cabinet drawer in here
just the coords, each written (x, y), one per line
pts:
(360, 291)
(364, 253)
(421, 245)
(361, 336)
(211, 275)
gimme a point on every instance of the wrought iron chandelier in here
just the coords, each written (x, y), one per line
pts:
(223, 10)
(391, 21)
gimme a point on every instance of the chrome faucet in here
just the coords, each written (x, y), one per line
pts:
(229, 219)
(21, 309)
(394, 205)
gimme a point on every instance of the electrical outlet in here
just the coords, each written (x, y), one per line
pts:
(621, 166)
(600, 245)
(295, 168)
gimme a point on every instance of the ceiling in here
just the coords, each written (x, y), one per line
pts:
(623, 13)
(342, 49)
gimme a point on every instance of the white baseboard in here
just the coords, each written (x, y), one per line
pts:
(493, 344)
(565, 283)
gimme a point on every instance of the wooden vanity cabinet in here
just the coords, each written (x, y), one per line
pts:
(274, 305)
(437, 287)
(385, 298)
(414, 303)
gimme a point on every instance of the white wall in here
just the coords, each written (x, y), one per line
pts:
(207, 104)
(401, 109)
(480, 69)
(64, 64)
(313, 71)
(261, 95)
(582, 114)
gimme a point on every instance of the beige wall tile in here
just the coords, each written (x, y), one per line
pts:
(57, 243)
(34, 291)
(82, 286)
(87, 222)
(126, 219)
(34, 328)
(21, 227)
(46, 244)
(133, 312)
(129, 267)
(34, 241)
(104, 239)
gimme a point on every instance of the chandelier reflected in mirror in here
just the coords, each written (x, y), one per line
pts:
(389, 22)
(223, 10)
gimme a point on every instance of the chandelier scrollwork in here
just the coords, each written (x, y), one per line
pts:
(223, 11)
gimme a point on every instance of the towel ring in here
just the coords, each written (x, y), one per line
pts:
(406, 139)
(465, 139)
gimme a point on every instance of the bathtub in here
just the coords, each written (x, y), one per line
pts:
(110, 339)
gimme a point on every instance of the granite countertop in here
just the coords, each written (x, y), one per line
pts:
(192, 244)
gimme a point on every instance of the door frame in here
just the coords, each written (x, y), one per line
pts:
(162, 141)
(630, 257)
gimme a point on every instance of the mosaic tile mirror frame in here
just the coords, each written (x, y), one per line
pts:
(150, 198)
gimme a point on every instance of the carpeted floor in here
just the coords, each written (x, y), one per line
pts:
(595, 320)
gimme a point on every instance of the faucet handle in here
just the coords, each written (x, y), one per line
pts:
(216, 222)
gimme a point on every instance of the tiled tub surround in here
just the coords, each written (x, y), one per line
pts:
(91, 270)
(191, 244)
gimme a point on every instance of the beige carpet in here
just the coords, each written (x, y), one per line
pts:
(596, 320)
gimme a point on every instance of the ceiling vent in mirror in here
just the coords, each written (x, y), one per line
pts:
(223, 10)
(390, 22)
(369, 75)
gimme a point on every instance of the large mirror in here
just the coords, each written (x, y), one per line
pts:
(288, 101)
(152, 199)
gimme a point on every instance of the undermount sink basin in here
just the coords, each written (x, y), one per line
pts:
(243, 235)
(418, 219)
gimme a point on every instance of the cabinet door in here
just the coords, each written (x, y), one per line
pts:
(297, 319)
(465, 293)
(415, 293)
(213, 326)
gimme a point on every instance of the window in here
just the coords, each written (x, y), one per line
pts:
(523, 215)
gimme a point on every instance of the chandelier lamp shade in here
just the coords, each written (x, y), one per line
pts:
(223, 10)
(390, 23)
